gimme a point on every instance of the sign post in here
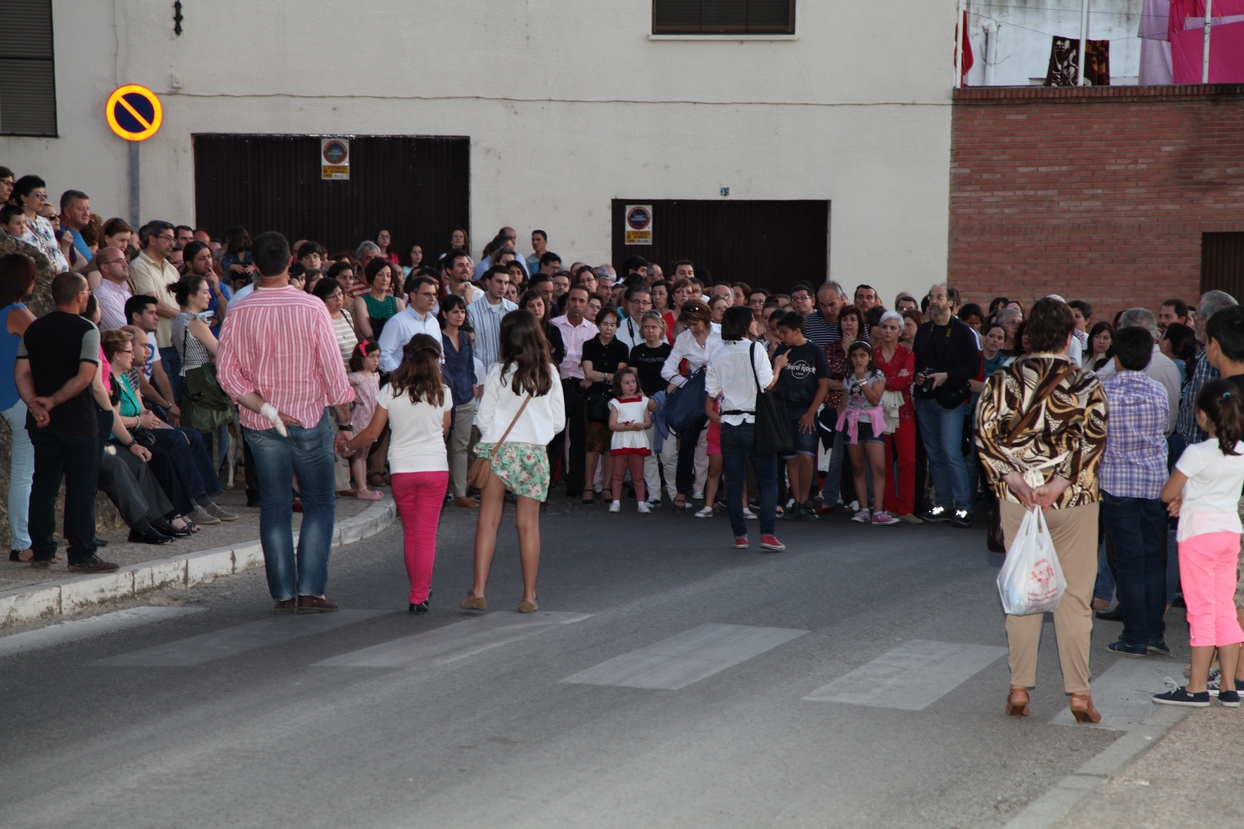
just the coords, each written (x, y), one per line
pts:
(135, 114)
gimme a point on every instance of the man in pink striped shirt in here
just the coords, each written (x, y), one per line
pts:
(279, 360)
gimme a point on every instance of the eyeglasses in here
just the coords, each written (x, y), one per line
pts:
(39, 196)
(131, 351)
(427, 295)
(166, 238)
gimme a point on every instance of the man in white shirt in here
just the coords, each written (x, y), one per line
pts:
(1160, 367)
(638, 301)
(575, 331)
(152, 274)
(486, 312)
(114, 289)
(418, 318)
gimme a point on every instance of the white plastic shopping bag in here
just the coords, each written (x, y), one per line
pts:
(1031, 580)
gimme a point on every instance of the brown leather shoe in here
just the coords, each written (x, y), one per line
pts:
(316, 604)
(468, 503)
(286, 606)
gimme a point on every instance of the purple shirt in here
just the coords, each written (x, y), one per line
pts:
(1134, 464)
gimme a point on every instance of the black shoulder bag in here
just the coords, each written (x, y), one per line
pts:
(772, 433)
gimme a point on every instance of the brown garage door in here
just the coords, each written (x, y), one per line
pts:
(769, 244)
(1222, 263)
(416, 187)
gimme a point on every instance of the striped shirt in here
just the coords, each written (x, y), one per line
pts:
(1186, 424)
(280, 342)
(486, 320)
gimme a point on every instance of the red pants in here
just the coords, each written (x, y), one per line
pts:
(635, 463)
(419, 497)
(900, 490)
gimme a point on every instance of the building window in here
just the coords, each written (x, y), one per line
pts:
(723, 17)
(28, 94)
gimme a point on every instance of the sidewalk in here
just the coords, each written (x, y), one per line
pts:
(218, 550)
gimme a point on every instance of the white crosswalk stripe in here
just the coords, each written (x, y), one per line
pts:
(886, 682)
(453, 642)
(219, 644)
(689, 657)
(78, 629)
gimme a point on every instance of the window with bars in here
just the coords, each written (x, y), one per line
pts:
(28, 94)
(723, 17)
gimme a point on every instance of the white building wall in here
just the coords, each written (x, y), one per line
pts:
(568, 105)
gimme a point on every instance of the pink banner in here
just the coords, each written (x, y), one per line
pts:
(1226, 53)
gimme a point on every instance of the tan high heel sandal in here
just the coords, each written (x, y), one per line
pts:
(1017, 702)
(1082, 709)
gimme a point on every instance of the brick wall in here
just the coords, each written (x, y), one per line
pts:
(1096, 193)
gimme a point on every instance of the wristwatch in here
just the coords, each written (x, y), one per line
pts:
(345, 427)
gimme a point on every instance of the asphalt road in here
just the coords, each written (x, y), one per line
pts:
(857, 679)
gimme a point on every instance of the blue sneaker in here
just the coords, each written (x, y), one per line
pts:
(1159, 648)
(1124, 649)
(1181, 696)
(1231, 699)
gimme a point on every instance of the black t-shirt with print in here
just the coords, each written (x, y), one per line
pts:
(648, 362)
(805, 367)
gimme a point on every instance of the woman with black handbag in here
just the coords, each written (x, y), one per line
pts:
(738, 374)
(603, 355)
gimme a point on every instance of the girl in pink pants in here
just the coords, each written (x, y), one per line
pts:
(1204, 491)
(419, 407)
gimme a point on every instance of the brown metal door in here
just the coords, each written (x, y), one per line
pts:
(1222, 263)
(767, 244)
(416, 187)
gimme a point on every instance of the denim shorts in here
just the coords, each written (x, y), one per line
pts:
(865, 431)
(804, 442)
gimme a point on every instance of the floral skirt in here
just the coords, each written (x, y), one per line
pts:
(522, 467)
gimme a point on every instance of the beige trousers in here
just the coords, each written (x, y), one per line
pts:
(1075, 540)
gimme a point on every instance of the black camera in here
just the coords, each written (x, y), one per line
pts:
(927, 385)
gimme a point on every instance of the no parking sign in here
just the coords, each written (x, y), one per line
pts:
(639, 224)
(134, 112)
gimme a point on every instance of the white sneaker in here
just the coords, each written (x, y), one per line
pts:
(884, 518)
(854, 506)
(615, 506)
(748, 514)
(706, 512)
(644, 508)
(699, 496)
(862, 517)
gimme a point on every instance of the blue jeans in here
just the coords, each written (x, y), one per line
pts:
(76, 459)
(942, 432)
(736, 449)
(172, 367)
(1137, 528)
(309, 452)
(21, 475)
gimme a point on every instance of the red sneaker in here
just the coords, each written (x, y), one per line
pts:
(769, 542)
(740, 543)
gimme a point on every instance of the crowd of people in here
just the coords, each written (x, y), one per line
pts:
(465, 385)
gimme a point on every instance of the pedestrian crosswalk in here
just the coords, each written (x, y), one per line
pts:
(693, 655)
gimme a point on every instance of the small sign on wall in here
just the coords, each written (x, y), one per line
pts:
(639, 224)
(335, 159)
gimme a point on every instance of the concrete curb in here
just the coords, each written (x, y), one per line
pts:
(67, 596)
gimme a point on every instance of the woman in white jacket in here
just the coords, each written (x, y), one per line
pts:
(522, 408)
